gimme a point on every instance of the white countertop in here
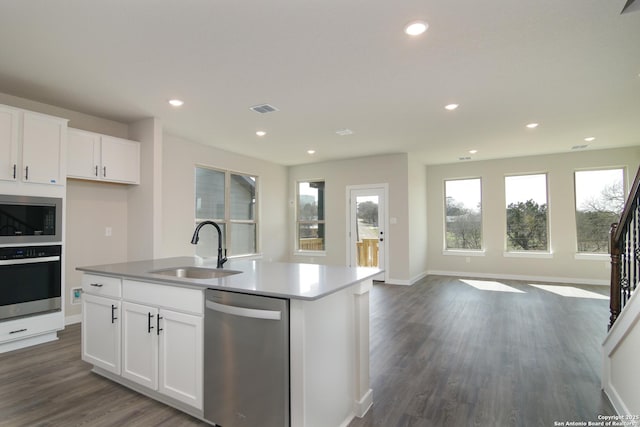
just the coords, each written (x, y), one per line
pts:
(277, 279)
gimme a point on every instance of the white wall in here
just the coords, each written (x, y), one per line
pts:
(178, 199)
(390, 169)
(418, 219)
(560, 168)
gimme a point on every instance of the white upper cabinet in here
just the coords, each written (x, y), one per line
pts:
(41, 141)
(83, 154)
(104, 158)
(9, 142)
(120, 160)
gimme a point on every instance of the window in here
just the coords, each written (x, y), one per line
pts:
(463, 214)
(599, 203)
(310, 216)
(527, 217)
(229, 199)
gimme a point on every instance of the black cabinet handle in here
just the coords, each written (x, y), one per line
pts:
(14, 170)
(113, 313)
(96, 285)
(18, 331)
(149, 327)
(96, 170)
(158, 328)
(104, 171)
(26, 173)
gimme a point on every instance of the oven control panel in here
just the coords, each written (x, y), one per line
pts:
(21, 252)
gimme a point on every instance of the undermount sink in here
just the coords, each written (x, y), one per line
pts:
(195, 272)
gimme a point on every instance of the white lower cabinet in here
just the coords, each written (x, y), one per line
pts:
(101, 332)
(140, 344)
(151, 335)
(162, 350)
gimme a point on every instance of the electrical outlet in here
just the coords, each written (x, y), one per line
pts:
(76, 295)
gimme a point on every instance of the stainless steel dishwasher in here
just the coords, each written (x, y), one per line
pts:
(246, 360)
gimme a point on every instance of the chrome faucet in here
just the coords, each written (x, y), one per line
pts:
(196, 237)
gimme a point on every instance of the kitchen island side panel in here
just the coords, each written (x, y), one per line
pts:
(329, 358)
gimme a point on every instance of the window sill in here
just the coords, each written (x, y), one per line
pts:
(541, 255)
(463, 252)
(585, 256)
(310, 253)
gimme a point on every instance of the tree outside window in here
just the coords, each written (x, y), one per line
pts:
(310, 216)
(599, 203)
(463, 214)
(527, 213)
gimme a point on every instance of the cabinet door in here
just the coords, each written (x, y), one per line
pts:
(101, 332)
(140, 344)
(120, 160)
(42, 148)
(181, 357)
(83, 154)
(9, 143)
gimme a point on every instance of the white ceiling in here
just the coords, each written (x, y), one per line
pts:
(571, 65)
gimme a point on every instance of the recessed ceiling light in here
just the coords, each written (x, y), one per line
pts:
(451, 107)
(311, 151)
(473, 151)
(176, 102)
(590, 138)
(532, 125)
(415, 28)
(261, 133)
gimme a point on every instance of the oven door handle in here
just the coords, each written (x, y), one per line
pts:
(29, 260)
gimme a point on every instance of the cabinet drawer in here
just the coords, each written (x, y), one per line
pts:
(102, 285)
(29, 326)
(165, 296)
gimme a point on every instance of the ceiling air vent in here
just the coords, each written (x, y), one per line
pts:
(464, 158)
(263, 108)
(579, 147)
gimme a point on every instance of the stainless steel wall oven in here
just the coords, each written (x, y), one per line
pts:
(30, 280)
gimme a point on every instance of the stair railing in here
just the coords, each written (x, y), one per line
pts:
(625, 253)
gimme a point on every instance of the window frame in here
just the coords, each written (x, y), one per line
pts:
(298, 222)
(531, 253)
(226, 222)
(594, 255)
(462, 251)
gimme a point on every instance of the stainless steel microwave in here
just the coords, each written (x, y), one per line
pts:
(30, 219)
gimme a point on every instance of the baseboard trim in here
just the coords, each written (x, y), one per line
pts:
(573, 280)
(73, 319)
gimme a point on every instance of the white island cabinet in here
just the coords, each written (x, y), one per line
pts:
(150, 337)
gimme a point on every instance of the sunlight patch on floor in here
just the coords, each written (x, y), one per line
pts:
(490, 285)
(570, 291)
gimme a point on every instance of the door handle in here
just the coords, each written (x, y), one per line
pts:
(149, 327)
(104, 171)
(14, 170)
(26, 173)
(96, 170)
(158, 328)
(113, 313)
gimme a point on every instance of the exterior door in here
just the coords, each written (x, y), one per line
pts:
(367, 227)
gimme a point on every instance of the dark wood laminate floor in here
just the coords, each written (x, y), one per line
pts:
(443, 353)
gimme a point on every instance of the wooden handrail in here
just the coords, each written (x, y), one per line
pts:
(625, 252)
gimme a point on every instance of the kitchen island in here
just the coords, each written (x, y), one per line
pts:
(143, 326)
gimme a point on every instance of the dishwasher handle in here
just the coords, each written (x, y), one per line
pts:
(244, 312)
